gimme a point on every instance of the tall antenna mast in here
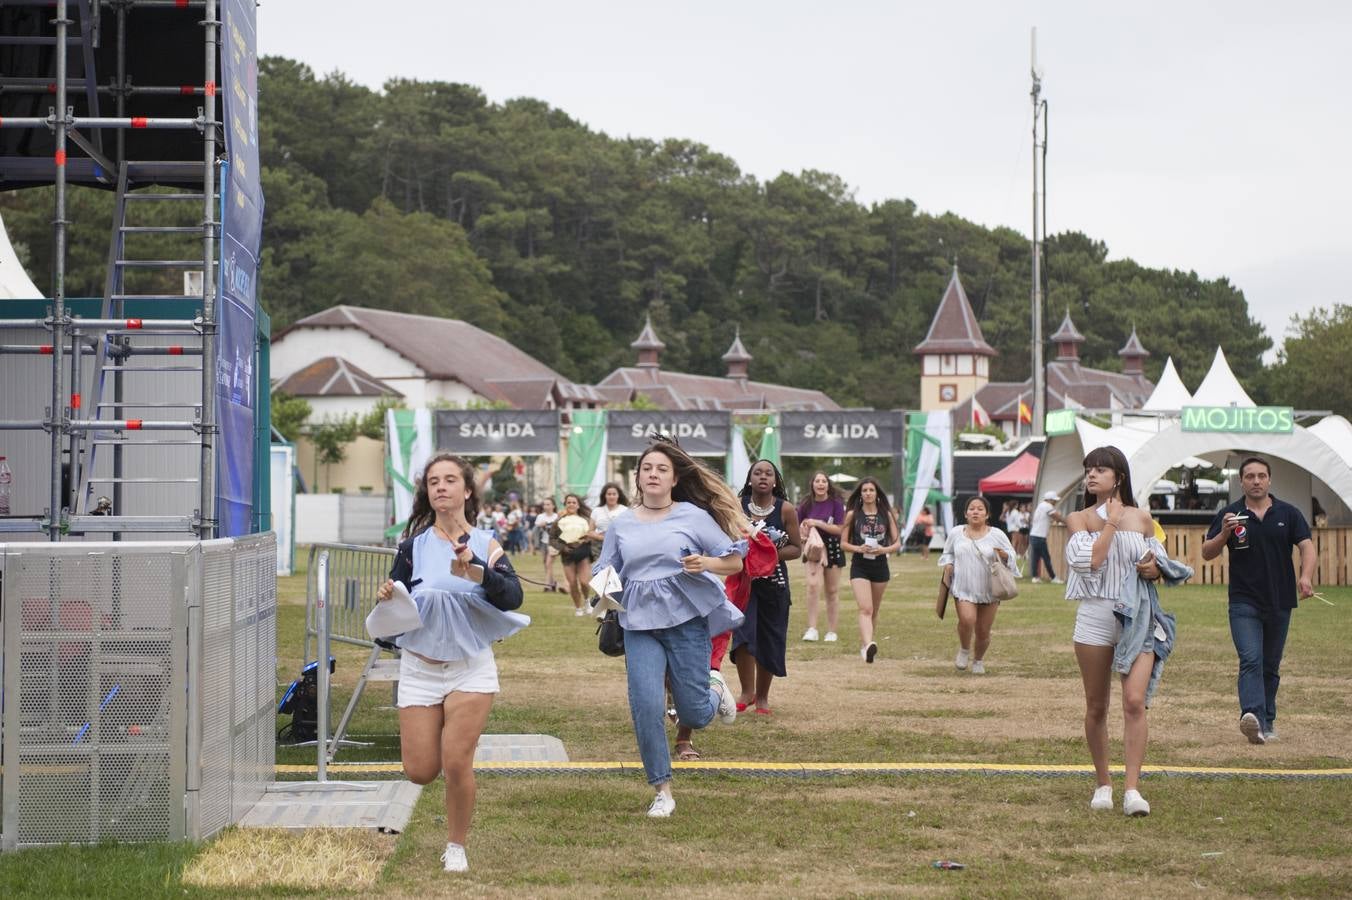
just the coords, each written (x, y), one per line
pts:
(1039, 174)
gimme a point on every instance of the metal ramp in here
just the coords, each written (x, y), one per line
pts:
(383, 805)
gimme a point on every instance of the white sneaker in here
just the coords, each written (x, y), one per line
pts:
(454, 859)
(579, 612)
(1103, 797)
(1057, 581)
(978, 667)
(810, 634)
(869, 651)
(727, 705)
(1133, 804)
(961, 660)
(663, 805)
(1249, 727)
(1037, 580)
(1269, 736)
(830, 637)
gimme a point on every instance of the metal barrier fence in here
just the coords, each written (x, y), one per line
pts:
(340, 590)
(138, 688)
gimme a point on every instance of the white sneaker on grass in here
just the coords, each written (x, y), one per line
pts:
(830, 637)
(1037, 580)
(454, 859)
(663, 806)
(1251, 729)
(727, 703)
(810, 634)
(1133, 804)
(869, 651)
(1057, 581)
(1103, 797)
(1269, 736)
(978, 667)
(960, 661)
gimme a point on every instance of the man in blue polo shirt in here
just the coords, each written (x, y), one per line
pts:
(1262, 588)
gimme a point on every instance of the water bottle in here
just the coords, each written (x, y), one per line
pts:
(6, 486)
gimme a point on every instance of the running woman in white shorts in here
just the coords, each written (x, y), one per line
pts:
(465, 589)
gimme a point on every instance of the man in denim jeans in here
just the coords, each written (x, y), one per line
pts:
(1263, 589)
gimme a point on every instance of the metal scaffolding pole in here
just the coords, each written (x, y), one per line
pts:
(207, 480)
(57, 414)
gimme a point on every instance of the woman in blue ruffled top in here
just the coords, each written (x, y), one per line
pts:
(464, 588)
(670, 553)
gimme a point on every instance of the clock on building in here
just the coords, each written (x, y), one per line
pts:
(948, 393)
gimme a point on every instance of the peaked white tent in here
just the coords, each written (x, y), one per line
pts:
(14, 281)
(1155, 444)
(1220, 387)
(1170, 393)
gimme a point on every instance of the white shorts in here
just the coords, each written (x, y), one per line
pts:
(422, 683)
(1096, 625)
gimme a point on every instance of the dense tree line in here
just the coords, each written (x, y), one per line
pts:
(424, 197)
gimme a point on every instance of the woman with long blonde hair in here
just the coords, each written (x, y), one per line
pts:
(670, 552)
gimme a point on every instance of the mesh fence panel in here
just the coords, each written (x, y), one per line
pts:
(97, 710)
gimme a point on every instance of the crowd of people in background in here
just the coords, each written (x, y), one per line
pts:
(685, 521)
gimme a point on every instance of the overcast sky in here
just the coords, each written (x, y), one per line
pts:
(1206, 136)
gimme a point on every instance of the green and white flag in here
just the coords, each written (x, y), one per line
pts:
(409, 447)
(929, 466)
(586, 455)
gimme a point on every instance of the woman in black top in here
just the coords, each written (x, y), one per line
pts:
(758, 645)
(870, 532)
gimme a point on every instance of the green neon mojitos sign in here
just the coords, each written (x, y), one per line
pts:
(1241, 419)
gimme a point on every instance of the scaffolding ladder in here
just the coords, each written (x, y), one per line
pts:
(110, 430)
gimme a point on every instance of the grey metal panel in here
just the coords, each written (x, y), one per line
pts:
(361, 519)
(217, 653)
(9, 706)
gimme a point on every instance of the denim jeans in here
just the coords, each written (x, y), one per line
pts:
(682, 654)
(1259, 640)
(1037, 546)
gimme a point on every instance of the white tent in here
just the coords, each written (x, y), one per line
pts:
(1153, 445)
(1220, 387)
(1170, 393)
(14, 281)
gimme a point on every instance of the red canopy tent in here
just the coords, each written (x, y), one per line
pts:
(1019, 477)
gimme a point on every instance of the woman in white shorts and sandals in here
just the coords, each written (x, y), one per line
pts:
(464, 588)
(1111, 546)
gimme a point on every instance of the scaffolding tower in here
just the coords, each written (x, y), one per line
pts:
(133, 386)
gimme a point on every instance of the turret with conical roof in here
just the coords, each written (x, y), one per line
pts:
(648, 346)
(954, 356)
(1067, 339)
(737, 358)
(1133, 355)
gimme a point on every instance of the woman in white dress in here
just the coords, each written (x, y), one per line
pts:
(966, 560)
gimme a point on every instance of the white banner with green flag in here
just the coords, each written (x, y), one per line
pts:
(586, 470)
(739, 458)
(410, 444)
(929, 466)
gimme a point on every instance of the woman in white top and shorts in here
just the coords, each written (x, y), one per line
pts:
(966, 560)
(1107, 552)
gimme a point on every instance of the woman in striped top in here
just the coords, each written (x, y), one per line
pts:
(1107, 554)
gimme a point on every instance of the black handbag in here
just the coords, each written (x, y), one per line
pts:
(609, 635)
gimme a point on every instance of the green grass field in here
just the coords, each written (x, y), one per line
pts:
(579, 835)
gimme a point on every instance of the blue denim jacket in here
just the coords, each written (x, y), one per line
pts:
(1138, 633)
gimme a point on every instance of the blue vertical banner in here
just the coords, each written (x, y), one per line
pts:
(241, 237)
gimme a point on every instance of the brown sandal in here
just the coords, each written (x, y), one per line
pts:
(686, 752)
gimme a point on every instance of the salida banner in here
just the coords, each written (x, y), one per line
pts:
(867, 433)
(700, 433)
(487, 432)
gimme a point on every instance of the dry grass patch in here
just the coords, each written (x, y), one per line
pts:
(316, 859)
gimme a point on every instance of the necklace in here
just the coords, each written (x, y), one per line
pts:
(668, 506)
(760, 512)
(444, 533)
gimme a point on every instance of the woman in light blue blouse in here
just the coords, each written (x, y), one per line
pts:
(464, 588)
(670, 553)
